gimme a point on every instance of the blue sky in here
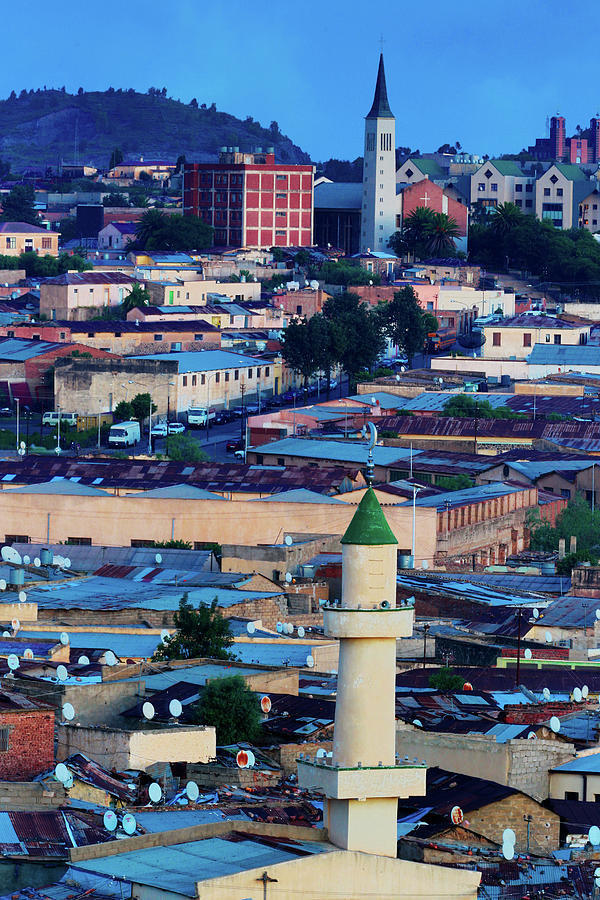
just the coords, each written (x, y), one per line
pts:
(484, 74)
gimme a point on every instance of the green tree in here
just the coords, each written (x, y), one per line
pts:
(232, 708)
(506, 218)
(140, 406)
(157, 230)
(356, 336)
(297, 349)
(343, 272)
(17, 206)
(182, 447)
(137, 297)
(442, 234)
(446, 680)
(416, 230)
(403, 321)
(465, 406)
(576, 520)
(123, 411)
(115, 199)
(201, 632)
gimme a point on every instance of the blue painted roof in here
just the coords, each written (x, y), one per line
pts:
(576, 355)
(452, 499)
(582, 764)
(138, 646)
(340, 451)
(338, 195)
(282, 653)
(299, 495)
(206, 360)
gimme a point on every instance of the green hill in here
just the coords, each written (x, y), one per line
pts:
(44, 127)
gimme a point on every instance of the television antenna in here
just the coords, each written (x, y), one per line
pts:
(548, 637)
(531, 736)
(288, 577)
(164, 635)
(585, 691)
(15, 625)
(26, 560)
(536, 613)
(158, 558)
(10, 555)
(594, 836)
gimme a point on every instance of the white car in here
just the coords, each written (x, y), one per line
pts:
(159, 430)
(176, 427)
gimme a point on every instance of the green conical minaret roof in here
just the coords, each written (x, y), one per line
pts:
(369, 525)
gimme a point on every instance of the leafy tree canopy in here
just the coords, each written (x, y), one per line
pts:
(17, 206)
(123, 411)
(140, 406)
(576, 519)
(446, 680)
(356, 336)
(232, 708)
(201, 632)
(343, 272)
(182, 447)
(137, 297)
(404, 322)
(157, 230)
(465, 406)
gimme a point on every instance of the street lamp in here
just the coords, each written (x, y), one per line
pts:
(414, 521)
(208, 381)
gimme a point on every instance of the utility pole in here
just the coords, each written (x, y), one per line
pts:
(529, 820)
(425, 630)
(242, 426)
(519, 613)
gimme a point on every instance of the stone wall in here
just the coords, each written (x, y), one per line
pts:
(522, 764)
(99, 702)
(508, 813)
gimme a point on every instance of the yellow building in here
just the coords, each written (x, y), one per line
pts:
(515, 338)
(21, 237)
(157, 169)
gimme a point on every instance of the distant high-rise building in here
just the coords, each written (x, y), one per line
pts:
(557, 137)
(378, 218)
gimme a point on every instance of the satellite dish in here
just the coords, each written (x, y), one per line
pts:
(585, 691)
(546, 693)
(2, 584)
(64, 638)
(61, 673)
(301, 631)
(577, 695)
(158, 559)
(110, 820)
(310, 661)
(175, 708)
(110, 658)
(129, 823)
(13, 661)
(67, 563)
(26, 560)
(508, 851)
(555, 724)
(37, 562)
(265, 704)
(62, 773)
(192, 790)
(22, 596)
(148, 710)
(250, 627)
(9, 554)
(68, 711)
(536, 613)
(527, 653)
(83, 661)
(28, 653)
(155, 792)
(598, 613)
(418, 723)
(15, 624)
(321, 753)
(288, 577)
(509, 837)
(456, 815)
(531, 736)
(58, 561)
(467, 686)
(241, 759)
(251, 758)
(164, 635)
(288, 540)
(594, 835)
(279, 627)
(6, 634)
(548, 637)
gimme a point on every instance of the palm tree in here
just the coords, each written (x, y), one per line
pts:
(138, 296)
(442, 233)
(505, 218)
(149, 224)
(417, 228)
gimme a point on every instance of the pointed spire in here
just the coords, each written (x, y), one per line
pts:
(369, 526)
(381, 107)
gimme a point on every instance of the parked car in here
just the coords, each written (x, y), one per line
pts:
(240, 454)
(176, 427)
(252, 409)
(234, 446)
(224, 416)
(159, 429)
(6, 412)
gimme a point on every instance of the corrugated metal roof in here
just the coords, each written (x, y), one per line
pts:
(299, 495)
(589, 763)
(338, 451)
(578, 355)
(338, 195)
(205, 360)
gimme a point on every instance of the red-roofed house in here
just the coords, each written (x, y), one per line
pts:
(21, 237)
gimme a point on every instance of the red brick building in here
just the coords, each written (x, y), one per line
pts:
(429, 194)
(26, 737)
(252, 201)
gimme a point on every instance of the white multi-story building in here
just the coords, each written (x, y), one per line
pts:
(378, 214)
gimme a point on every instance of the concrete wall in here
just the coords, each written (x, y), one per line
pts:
(140, 749)
(522, 764)
(516, 368)
(86, 385)
(99, 702)
(587, 787)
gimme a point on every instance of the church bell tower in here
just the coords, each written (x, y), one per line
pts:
(378, 214)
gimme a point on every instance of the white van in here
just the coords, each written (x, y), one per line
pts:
(125, 434)
(51, 418)
(198, 416)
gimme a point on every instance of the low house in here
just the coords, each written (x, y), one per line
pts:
(577, 779)
(21, 237)
(514, 338)
(77, 295)
(117, 235)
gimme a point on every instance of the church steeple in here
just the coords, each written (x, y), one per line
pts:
(381, 107)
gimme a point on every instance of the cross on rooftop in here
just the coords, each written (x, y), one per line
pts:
(425, 199)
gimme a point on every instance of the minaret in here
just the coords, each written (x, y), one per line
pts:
(378, 215)
(361, 782)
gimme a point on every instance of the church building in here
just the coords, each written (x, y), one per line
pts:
(360, 217)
